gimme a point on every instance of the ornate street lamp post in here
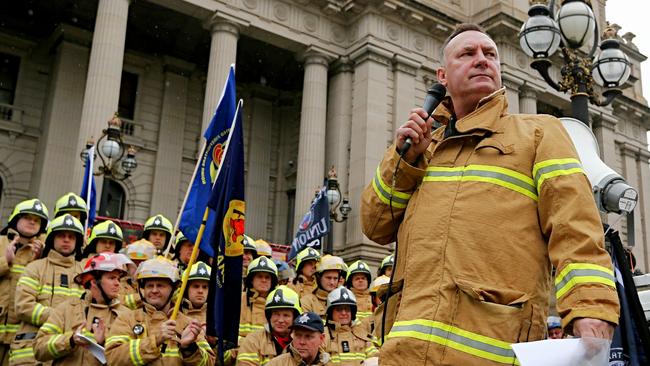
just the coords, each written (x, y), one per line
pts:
(111, 152)
(335, 202)
(574, 27)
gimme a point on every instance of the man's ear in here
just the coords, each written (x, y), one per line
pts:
(441, 73)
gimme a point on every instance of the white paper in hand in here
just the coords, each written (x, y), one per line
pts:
(94, 348)
(564, 352)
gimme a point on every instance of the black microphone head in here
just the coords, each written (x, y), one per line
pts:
(438, 90)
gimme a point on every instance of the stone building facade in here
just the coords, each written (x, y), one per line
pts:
(324, 83)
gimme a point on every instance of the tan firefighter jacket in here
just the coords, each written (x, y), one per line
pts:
(252, 316)
(292, 358)
(132, 341)
(483, 215)
(9, 275)
(302, 286)
(46, 283)
(53, 338)
(129, 295)
(198, 314)
(315, 301)
(258, 348)
(348, 345)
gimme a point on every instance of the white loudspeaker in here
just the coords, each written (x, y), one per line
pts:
(611, 192)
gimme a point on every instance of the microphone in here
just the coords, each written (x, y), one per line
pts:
(435, 94)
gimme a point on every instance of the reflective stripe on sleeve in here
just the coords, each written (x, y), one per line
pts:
(383, 192)
(371, 351)
(461, 340)
(576, 273)
(252, 357)
(503, 177)
(134, 352)
(29, 282)
(555, 167)
(37, 313)
(51, 345)
(117, 339)
(17, 268)
(18, 354)
(9, 328)
(50, 328)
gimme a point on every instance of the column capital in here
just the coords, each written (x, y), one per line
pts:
(343, 64)
(405, 65)
(373, 53)
(312, 56)
(511, 82)
(218, 25)
(526, 91)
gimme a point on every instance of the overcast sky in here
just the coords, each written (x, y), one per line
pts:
(631, 16)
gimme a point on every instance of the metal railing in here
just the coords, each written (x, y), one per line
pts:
(128, 126)
(11, 113)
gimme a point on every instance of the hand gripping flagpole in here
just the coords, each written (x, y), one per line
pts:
(199, 236)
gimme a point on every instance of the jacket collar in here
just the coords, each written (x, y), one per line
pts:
(322, 358)
(59, 260)
(484, 119)
(321, 294)
(360, 293)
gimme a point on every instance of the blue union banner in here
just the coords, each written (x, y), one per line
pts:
(314, 225)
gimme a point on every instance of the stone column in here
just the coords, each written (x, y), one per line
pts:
(643, 210)
(165, 196)
(369, 139)
(512, 92)
(527, 100)
(404, 71)
(102, 90)
(259, 165)
(339, 122)
(62, 119)
(223, 53)
(311, 147)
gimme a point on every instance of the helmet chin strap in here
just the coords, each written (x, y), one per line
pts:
(105, 296)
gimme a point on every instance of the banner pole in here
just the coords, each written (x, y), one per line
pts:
(90, 162)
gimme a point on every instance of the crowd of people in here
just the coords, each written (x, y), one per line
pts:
(64, 294)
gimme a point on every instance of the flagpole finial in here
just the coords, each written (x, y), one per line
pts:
(90, 142)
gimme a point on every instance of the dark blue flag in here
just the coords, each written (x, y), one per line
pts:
(215, 143)
(88, 192)
(227, 202)
(314, 225)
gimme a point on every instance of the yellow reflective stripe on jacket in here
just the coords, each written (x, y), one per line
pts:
(252, 357)
(363, 314)
(9, 328)
(204, 347)
(456, 338)
(171, 352)
(130, 301)
(50, 328)
(17, 354)
(503, 177)
(383, 191)
(37, 313)
(62, 291)
(347, 357)
(555, 167)
(371, 351)
(134, 352)
(30, 282)
(249, 327)
(576, 273)
(51, 345)
(117, 339)
(17, 268)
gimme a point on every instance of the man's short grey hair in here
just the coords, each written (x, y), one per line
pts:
(460, 28)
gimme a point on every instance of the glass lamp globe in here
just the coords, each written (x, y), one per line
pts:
(540, 35)
(111, 149)
(612, 67)
(333, 196)
(577, 23)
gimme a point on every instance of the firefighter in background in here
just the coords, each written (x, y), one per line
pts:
(378, 289)
(347, 341)
(104, 237)
(358, 281)
(250, 253)
(21, 242)
(158, 230)
(285, 273)
(182, 251)
(306, 264)
(90, 315)
(262, 278)
(554, 326)
(137, 336)
(344, 275)
(195, 299)
(46, 283)
(71, 204)
(386, 266)
(307, 338)
(281, 309)
(138, 252)
(263, 248)
(329, 271)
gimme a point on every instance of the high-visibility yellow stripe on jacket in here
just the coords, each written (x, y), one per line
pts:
(576, 273)
(500, 176)
(117, 339)
(363, 314)
(47, 289)
(553, 168)
(348, 357)
(37, 313)
(461, 340)
(18, 354)
(17, 268)
(51, 345)
(134, 352)
(50, 328)
(9, 328)
(383, 191)
(249, 328)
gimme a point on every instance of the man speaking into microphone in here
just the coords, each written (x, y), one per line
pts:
(482, 209)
